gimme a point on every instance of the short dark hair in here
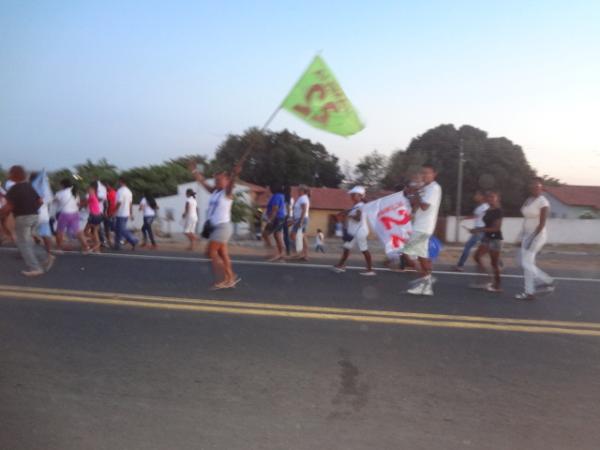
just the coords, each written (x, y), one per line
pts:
(537, 180)
(429, 166)
(66, 183)
(17, 173)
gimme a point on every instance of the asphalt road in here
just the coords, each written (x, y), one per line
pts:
(120, 352)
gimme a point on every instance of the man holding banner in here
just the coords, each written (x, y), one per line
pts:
(425, 201)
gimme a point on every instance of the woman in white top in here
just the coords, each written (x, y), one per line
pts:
(149, 207)
(356, 233)
(535, 210)
(190, 217)
(218, 228)
(300, 222)
(68, 220)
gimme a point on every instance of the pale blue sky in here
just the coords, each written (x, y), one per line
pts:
(141, 82)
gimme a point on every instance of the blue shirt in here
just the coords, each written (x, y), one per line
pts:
(276, 200)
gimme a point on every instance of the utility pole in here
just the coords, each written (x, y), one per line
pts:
(459, 189)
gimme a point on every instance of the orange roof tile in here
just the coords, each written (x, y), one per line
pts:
(576, 195)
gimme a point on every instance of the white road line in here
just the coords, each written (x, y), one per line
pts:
(291, 264)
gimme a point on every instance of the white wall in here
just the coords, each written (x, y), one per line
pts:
(560, 231)
(561, 211)
(176, 203)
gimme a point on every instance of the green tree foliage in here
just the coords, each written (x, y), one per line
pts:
(551, 181)
(371, 170)
(3, 175)
(102, 170)
(281, 157)
(490, 163)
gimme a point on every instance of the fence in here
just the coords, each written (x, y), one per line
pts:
(560, 231)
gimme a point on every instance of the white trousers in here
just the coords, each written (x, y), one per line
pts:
(533, 275)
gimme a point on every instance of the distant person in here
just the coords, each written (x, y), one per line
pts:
(320, 241)
(425, 202)
(218, 227)
(7, 226)
(124, 212)
(110, 210)
(357, 232)
(24, 202)
(491, 241)
(475, 238)
(94, 218)
(289, 205)
(535, 210)
(300, 222)
(190, 217)
(149, 207)
(67, 206)
(276, 220)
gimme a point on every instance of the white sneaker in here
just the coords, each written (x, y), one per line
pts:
(368, 273)
(416, 290)
(32, 273)
(337, 269)
(427, 289)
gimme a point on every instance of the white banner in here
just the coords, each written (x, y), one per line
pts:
(389, 217)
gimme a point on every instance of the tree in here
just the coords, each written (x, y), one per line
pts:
(551, 181)
(3, 175)
(279, 157)
(102, 170)
(371, 170)
(490, 163)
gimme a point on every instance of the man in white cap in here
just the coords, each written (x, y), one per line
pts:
(425, 201)
(356, 232)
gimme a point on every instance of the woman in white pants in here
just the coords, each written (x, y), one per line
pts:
(535, 210)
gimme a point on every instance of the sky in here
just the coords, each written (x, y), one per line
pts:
(142, 82)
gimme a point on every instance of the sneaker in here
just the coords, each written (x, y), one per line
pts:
(32, 273)
(459, 269)
(524, 296)
(49, 263)
(338, 269)
(368, 273)
(428, 289)
(490, 288)
(545, 288)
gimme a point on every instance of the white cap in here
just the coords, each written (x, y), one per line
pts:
(357, 190)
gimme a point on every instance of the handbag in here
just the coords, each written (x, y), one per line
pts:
(207, 229)
(346, 237)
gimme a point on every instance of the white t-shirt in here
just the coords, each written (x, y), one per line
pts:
(302, 200)
(531, 211)
(101, 192)
(356, 227)
(479, 212)
(319, 239)
(66, 202)
(124, 198)
(148, 211)
(219, 208)
(192, 208)
(424, 221)
(8, 185)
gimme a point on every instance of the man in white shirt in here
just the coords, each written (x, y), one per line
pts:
(300, 222)
(478, 214)
(124, 210)
(425, 201)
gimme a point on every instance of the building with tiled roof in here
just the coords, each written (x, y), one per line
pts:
(573, 202)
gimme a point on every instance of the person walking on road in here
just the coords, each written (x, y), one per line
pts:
(535, 210)
(276, 218)
(124, 212)
(218, 227)
(425, 201)
(95, 218)
(319, 241)
(190, 218)
(300, 222)
(67, 206)
(475, 238)
(24, 202)
(148, 207)
(357, 231)
(491, 242)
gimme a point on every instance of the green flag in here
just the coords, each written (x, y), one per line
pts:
(318, 99)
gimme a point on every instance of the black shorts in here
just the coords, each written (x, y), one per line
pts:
(95, 219)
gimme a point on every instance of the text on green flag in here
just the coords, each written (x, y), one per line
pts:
(319, 99)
